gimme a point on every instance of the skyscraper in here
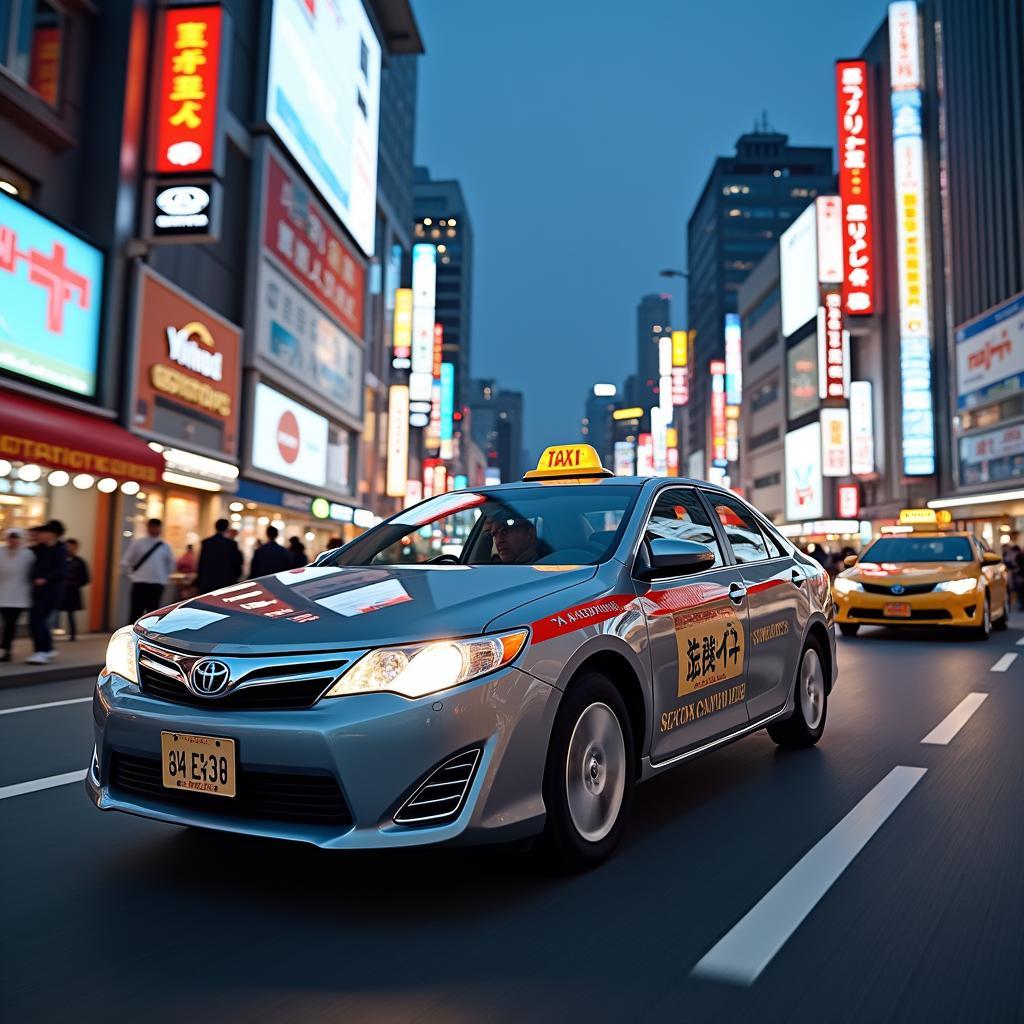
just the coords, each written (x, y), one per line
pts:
(496, 418)
(749, 199)
(441, 217)
(653, 319)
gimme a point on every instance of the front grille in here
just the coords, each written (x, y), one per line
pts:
(267, 796)
(441, 794)
(257, 684)
(931, 614)
(908, 589)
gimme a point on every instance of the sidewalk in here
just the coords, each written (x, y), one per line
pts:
(84, 657)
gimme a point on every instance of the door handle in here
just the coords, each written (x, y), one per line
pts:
(737, 593)
(798, 577)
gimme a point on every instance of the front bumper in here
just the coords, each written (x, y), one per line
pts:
(376, 747)
(942, 608)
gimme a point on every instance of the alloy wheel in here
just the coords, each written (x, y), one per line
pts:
(595, 772)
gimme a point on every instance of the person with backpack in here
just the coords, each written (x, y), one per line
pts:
(149, 562)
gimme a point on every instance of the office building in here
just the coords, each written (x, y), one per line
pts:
(496, 418)
(653, 321)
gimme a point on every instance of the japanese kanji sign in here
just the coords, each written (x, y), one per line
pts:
(711, 648)
(187, 82)
(855, 186)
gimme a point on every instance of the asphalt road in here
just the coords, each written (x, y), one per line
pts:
(839, 884)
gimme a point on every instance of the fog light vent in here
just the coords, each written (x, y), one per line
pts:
(441, 795)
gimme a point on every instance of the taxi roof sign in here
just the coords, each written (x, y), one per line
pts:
(568, 460)
(925, 517)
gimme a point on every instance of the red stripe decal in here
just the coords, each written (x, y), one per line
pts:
(764, 585)
(678, 599)
(580, 615)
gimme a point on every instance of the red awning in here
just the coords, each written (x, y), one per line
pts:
(51, 435)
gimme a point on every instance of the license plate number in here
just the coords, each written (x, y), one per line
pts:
(898, 609)
(200, 764)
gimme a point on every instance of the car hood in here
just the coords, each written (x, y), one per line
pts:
(334, 608)
(886, 573)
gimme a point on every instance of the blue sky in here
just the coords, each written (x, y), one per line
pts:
(582, 133)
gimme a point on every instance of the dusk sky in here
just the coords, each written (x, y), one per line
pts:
(582, 134)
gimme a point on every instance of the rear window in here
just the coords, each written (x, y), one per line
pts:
(919, 549)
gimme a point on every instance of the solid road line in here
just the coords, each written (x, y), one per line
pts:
(744, 952)
(1004, 662)
(955, 720)
(51, 704)
(21, 788)
(1020, 642)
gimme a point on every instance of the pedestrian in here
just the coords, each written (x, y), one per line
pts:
(48, 574)
(334, 542)
(186, 566)
(298, 552)
(220, 561)
(77, 578)
(16, 563)
(149, 562)
(270, 557)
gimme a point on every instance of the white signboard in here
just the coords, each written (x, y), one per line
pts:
(288, 439)
(835, 442)
(904, 47)
(625, 458)
(424, 291)
(829, 215)
(862, 428)
(804, 488)
(996, 444)
(990, 355)
(323, 93)
(294, 336)
(798, 268)
(398, 440)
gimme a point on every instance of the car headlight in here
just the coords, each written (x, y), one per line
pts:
(845, 586)
(419, 669)
(121, 655)
(961, 587)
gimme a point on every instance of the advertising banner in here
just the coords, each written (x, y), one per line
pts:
(294, 336)
(829, 217)
(862, 429)
(298, 232)
(51, 288)
(804, 490)
(187, 373)
(398, 440)
(798, 270)
(833, 349)
(288, 439)
(323, 95)
(733, 360)
(835, 442)
(990, 355)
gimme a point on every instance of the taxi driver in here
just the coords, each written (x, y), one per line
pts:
(515, 538)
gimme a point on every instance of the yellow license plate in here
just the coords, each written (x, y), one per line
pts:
(200, 764)
(898, 609)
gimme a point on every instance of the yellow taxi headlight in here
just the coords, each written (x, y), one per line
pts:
(965, 586)
(845, 586)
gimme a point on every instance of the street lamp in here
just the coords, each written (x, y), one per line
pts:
(685, 274)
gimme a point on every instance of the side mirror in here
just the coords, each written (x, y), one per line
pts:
(663, 556)
(991, 558)
(849, 561)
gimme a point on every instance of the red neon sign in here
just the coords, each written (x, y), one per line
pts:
(187, 73)
(855, 186)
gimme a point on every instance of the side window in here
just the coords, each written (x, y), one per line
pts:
(740, 527)
(679, 515)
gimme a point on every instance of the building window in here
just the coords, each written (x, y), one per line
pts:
(771, 480)
(31, 45)
(763, 348)
(764, 396)
(765, 437)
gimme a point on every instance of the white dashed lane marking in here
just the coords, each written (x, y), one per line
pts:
(955, 720)
(745, 951)
(21, 788)
(1004, 662)
(39, 707)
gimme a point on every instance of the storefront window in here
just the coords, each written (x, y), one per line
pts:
(31, 44)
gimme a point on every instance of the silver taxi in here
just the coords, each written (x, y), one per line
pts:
(487, 665)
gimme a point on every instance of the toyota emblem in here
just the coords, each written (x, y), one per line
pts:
(209, 678)
(897, 588)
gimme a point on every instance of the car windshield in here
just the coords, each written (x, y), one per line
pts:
(573, 524)
(919, 549)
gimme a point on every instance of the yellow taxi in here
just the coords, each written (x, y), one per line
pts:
(923, 575)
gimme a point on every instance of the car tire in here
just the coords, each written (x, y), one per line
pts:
(849, 628)
(805, 725)
(589, 776)
(984, 631)
(1003, 622)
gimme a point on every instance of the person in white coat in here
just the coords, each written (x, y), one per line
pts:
(16, 564)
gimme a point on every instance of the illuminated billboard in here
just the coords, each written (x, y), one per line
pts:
(802, 373)
(828, 212)
(402, 340)
(398, 440)
(51, 291)
(733, 360)
(798, 270)
(719, 456)
(833, 349)
(323, 93)
(852, 97)
(424, 288)
(680, 369)
(862, 429)
(912, 264)
(835, 442)
(288, 438)
(804, 491)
